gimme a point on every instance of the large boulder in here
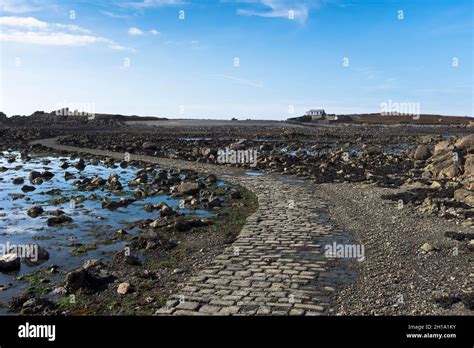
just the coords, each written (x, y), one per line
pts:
(58, 220)
(442, 147)
(91, 277)
(465, 196)
(469, 166)
(422, 153)
(35, 211)
(188, 188)
(9, 262)
(465, 142)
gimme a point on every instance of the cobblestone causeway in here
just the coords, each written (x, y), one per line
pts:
(276, 266)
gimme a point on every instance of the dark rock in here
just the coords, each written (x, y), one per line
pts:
(422, 153)
(182, 226)
(47, 175)
(27, 188)
(60, 220)
(148, 145)
(35, 211)
(188, 188)
(18, 181)
(90, 278)
(9, 262)
(35, 254)
(33, 175)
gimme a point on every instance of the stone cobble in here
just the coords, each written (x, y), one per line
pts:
(275, 266)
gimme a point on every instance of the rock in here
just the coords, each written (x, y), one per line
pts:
(148, 207)
(98, 181)
(132, 260)
(121, 232)
(470, 245)
(89, 278)
(18, 181)
(182, 226)
(33, 175)
(469, 166)
(167, 211)
(35, 254)
(435, 185)
(37, 181)
(27, 188)
(470, 186)
(35, 211)
(427, 247)
(465, 196)
(9, 262)
(80, 165)
(59, 220)
(47, 175)
(148, 145)
(442, 147)
(188, 188)
(465, 142)
(57, 212)
(157, 223)
(236, 195)
(422, 153)
(459, 236)
(211, 179)
(124, 288)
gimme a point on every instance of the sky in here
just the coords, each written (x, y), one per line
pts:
(259, 59)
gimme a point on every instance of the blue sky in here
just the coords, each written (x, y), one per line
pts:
(266, 59)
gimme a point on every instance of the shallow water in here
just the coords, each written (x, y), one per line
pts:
(254, 173)
(91, 223)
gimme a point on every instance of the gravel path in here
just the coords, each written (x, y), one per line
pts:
(397, 276)
(276, 266)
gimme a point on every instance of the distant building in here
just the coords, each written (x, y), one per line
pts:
(316, 114)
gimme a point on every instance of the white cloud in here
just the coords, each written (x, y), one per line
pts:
(17, 6)
(154, 32)
(23, 22)
(33, 23)
(153, 3)
(51, 39)
(291, 10)
(134, 31)
(114, 15)
(29, 30)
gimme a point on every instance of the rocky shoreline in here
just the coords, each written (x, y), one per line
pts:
(405, 193)
(167, 249)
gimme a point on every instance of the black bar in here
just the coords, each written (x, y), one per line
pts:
(242, 330)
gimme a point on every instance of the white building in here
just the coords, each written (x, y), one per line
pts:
(316, 114)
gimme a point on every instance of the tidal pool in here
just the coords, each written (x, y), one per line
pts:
(91, 223)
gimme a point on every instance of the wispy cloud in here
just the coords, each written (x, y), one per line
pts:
(29, 30)
(134, 31)
(19, 6)
(114, 15)
(152, 3)
(291, 10)
(240, 81)
(33, 23)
